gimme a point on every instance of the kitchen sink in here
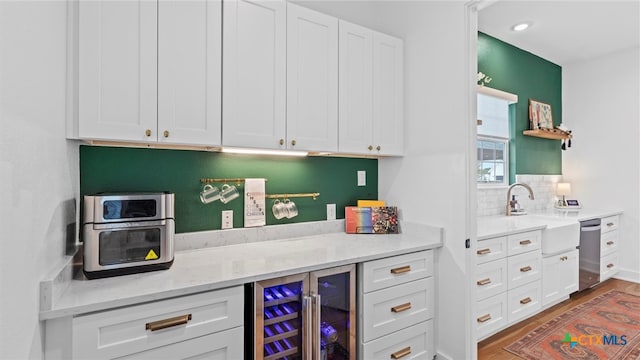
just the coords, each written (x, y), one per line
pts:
(560, 235)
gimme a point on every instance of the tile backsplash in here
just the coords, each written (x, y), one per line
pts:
(493, 201)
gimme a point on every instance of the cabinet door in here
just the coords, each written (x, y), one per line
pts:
(355, 89)
(225, 345)
(387, 94)
(117, 70)
(559, 276)
(312, 80)
(254, 73)
(189, 71)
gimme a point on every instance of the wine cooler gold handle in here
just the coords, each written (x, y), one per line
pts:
(401, 353)
(484, 318)
(525, 242)
(483, 251)
(525, 300)
(401, 308)
(484, 281)
(525, 269)
(307, 346)
(167, 323)
(401, 270)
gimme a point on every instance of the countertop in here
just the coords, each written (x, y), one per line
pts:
(500, 225)
(217, 267)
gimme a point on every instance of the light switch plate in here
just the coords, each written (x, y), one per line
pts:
(331, 211)
(227, 219)
(362, 178)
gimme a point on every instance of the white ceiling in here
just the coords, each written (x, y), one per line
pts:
(565, 31)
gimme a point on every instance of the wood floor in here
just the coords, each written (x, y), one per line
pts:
(493, 347)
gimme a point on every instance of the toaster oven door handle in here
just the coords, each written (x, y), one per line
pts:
(128, 224)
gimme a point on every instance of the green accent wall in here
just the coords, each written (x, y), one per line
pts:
(118, 169)
(530, 77)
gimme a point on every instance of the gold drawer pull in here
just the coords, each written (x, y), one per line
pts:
(610, 266)
(484, 281)
(610, 224)
(401, 353)
(525, 269)
(525, 242)
(483, 251)
(525, 300)
(167, 323)
(401, 270)
(484, 318)
(610, 243)
(401, 308)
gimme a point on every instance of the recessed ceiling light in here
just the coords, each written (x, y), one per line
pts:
(520, 27)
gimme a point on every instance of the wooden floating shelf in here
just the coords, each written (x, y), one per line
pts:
(553, 134)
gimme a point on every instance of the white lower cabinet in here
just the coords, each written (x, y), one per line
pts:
(153, 330)
(560, 276)
(609, 247)
(396, 319)
(508, 281)
(414, 342)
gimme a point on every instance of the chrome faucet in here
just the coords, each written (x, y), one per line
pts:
(509, 195)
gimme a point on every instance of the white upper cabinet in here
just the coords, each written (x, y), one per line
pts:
(117, 70)
(312, 80)
(371, 99)
(254, 73)
(189, 71)
(149, 71)
(387, 94)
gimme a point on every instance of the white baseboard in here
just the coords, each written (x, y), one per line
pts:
(441, 356)
(628, 275)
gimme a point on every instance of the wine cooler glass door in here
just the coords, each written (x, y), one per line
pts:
(333, 293)
(280, 324)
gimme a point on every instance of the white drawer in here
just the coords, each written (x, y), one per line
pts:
(608, 266)
(524, 268)
(224, 345)
(383, 273)
(491, 249)
(395, 308)
(109, 334)
(524, 301)
(491, 278)
(523, 242)
(491, 315)
(609, 242)
(610, 223)
(415, 341)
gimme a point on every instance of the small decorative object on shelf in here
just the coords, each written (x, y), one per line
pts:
(540, 115)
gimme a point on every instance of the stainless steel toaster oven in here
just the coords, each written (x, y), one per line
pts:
(127, 233)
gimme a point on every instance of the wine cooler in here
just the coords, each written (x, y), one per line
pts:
(308, 316)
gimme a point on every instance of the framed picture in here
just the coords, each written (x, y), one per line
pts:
(540, 115)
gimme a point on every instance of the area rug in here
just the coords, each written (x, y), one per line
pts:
(605, 327)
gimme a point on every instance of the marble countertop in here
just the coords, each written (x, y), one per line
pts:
(216, 267)
(500, 225)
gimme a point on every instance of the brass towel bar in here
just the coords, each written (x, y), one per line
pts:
(213, 180)
(279, 196)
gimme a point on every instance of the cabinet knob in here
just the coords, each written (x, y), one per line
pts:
(293, 143)
(166, 133)
(281, 141)
(370, 148)
(147, 132)
(378, 147)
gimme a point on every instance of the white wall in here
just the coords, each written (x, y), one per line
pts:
(38, 167)
(601, 104)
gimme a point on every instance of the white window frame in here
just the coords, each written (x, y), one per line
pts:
(505, 180)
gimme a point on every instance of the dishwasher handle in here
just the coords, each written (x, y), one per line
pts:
(590, 228)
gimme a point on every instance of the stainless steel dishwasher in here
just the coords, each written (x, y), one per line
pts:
(589, 253)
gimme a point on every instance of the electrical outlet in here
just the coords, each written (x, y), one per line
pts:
(331, 211)
(362, 178)
(227, 219)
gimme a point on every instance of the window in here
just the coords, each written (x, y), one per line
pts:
(493, 141)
